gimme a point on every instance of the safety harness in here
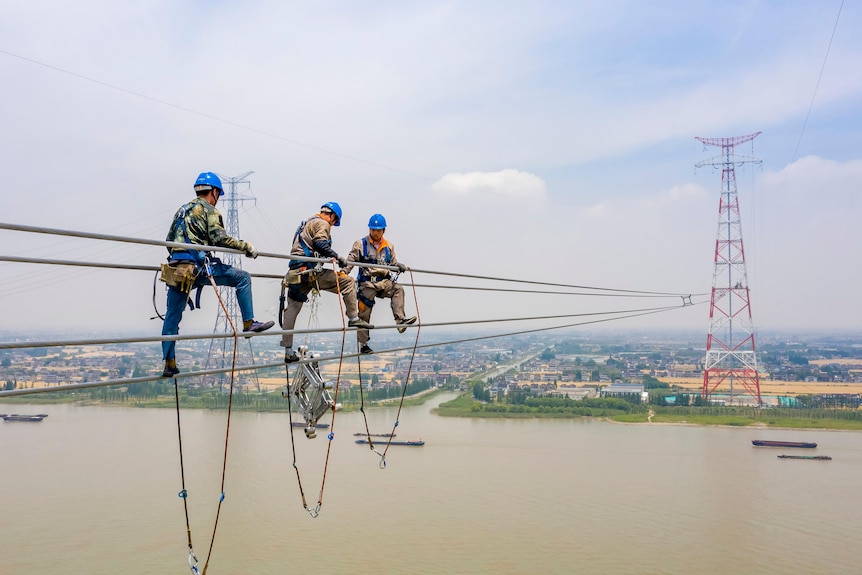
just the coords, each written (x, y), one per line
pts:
(183, 267)
(300, 274)
(384, 257)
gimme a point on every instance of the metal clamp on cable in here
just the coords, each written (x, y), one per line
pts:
(310, 394)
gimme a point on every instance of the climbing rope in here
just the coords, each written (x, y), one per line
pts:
(183, 494)
(315, 511)
(391, 434)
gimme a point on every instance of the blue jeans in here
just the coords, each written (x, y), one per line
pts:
(224, 275)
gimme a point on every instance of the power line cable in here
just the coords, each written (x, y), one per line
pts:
(30, 344)
(129, 381)
(127, 239)
(817, 84)
(215, 118)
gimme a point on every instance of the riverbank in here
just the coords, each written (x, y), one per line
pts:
(271, 402)
(465, 406)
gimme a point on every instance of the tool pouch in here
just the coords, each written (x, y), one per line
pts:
(294, 277)
(181, 275)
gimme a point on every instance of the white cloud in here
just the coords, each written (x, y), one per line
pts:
(508, 182)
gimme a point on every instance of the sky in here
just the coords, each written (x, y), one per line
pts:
(542, 141)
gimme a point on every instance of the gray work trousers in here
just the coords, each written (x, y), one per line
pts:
(384, 288)
(324, 281)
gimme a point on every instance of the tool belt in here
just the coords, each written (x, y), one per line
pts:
(294, 276)
(181, 275)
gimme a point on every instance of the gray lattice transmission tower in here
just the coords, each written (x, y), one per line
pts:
(730, 350)
(220, 353)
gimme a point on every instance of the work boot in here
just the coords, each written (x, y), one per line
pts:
(366, 349)
(171, 368)
(256, 326)
(360, 323)
(290, 355)
(406, 321)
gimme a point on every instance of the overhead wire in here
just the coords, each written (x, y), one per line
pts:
(30, 344)
(817, 84)
(342, 355)
(265, 133)
(145, 241)
(19, 259)
(201, 373)
(607, 315)
(26, 281)
(214, 117)
(550, 292)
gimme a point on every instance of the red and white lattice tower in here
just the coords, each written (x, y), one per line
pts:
(730, 351)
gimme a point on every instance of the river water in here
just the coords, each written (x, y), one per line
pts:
(93, 490)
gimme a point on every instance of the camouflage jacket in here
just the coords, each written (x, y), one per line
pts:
(198, 222)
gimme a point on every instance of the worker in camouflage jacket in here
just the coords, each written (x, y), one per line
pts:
(377, 282)
(200, 223)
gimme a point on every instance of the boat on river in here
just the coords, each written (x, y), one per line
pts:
(19, 417)
(414, 443)
(816, 457)
(375, 434)
(767, 443)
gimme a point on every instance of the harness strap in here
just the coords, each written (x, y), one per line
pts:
(197, 303)
(384, 257)
(364, 300)
(179, 225)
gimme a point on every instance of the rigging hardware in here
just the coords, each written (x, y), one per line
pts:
(309, 393)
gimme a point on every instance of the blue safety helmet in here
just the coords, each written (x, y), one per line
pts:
(207, 181)
(335, 209)
(377, 222)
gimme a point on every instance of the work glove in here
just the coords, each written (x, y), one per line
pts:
(341, 261)
(250, 251)
(401, 267)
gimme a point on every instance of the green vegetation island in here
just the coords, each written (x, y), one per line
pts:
(622, 411)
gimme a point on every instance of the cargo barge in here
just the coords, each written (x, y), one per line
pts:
(767, 443)
(416, 443)
(18, 417)
(817, 457)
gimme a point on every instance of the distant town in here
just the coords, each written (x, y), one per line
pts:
(574, 365)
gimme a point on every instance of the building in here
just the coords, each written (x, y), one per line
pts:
(625, 391)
